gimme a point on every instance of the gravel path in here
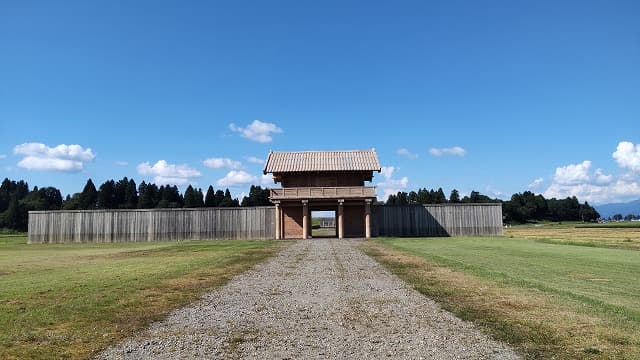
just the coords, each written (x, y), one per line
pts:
(320, 298)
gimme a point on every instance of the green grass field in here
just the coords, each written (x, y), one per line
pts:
(70, 300)
(548, 299)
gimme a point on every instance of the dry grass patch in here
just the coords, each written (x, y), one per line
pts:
(627, 237)
(538, 324)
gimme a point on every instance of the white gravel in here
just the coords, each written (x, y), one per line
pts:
(319, 298)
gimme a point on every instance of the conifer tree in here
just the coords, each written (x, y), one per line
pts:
(131, 195)
(210, 198)
(198, 197)
(219, 197)
(189, 197)
(454, 197)
(106, 196)
(88, 196)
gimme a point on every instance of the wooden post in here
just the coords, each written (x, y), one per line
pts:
(278, 215)
(367, 218)
(283, 230)
(305, 218)
(340, 219)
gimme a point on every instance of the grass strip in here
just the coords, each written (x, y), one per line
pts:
(540, 321)
(72, 300)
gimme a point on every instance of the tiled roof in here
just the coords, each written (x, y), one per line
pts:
(299, 161)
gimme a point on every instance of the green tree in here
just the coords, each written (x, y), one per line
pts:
(173, 196)
(199, 198)
(190, 197)
(71, 202)
(588, 213)
(16, 215)
(454, 197)
(88, 196)
(210, 198)
(147, 195)
(392, 200)
(106, 195)
(440, 197)
(257, 197)
(413, 197)
(227, 201)
(401, 198)
(219, 197)
(424, 197)
(131, 195)
(163, 203)
(5, 194)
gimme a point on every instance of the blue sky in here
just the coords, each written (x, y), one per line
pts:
(494, 96)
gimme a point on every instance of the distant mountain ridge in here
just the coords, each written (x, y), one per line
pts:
(608, 210)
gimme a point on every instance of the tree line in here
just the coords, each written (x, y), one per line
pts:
(424, 196)
(16, 199)
(521, 208)
(619, 217)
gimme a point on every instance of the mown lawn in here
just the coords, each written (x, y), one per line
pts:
(548, 299)
(71, 300)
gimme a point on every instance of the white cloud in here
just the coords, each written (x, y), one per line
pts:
(535, 183)
(390, 185)
(403, 182)
(267, 180)
(600, 178)
(597, 187)
(455, 151)
(493, 193)
(628, 156)
(255, 160)
(617, 191)
(257, 131)
(38, 156)
(407, 153)
(218, 163)
(387, 171)
(165, 173)
(573, 174)
(121, 163)
(234, 177)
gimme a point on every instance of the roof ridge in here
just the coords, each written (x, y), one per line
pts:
(324, 151)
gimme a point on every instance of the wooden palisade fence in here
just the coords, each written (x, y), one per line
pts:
(105, 226)
(438, 220)
(151, 225)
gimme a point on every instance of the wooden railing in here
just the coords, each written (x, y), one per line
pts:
(337, 192)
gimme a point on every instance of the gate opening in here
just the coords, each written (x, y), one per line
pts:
(323, 224)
